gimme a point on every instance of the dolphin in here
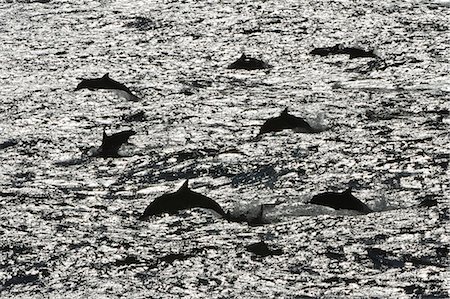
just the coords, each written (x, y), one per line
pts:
(353, 52)
(111, 144)
(325, 51)
(182, 199)
(286, 121)
(358, 52)
(337, 201)
(106, 82)
(247, 63)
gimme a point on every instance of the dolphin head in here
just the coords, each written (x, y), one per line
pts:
(82, 84)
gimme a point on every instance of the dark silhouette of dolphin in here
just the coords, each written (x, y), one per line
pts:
(337, 201)
(106, 82)
(111, 144)
(182, 199)
(353, 52)
(325, 51)
(358, 52)
(247, 63)
(286, 121)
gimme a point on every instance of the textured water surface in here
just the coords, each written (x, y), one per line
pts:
(69, 223)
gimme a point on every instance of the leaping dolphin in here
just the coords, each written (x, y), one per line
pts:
(182, 199)
(248, 63)
(337, 201)
(106, 82)
(286, 121)
(111, 144)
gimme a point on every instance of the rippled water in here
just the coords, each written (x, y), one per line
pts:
(68, 222)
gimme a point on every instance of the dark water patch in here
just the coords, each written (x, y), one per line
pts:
(382, 259)
(335, 253)
(375, 65)
(8, 143)
(195, 154)
(19, 280)
(428, 201)
(424, 261)
(337, 279)
(170, 258)
(7, 194)
(262, 249)
(441, 160)
(100, 207)
(16, 249)
(303, 269)
(137, 116)
(78, 245)
(71, 162)
(442, 252)
(127, 261)
(143, 24)
(382, 114)
(28, 1)
(266, 174)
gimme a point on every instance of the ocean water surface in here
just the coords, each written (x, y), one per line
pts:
(68, 222)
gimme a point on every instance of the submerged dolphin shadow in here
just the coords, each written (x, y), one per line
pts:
(107, 83)
(353, 52)
(344, 200)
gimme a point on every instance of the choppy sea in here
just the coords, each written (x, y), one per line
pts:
(68, 222)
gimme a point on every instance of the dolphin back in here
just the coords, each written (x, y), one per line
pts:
(182, 199)
(337, 201)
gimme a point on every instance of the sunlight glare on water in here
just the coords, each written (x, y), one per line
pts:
(69, 223)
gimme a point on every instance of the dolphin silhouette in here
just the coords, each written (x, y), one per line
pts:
(111, 144)
(337, 201)
(325, 51)
(247, 63)
(286, 121)
(106, 82)
(358, 52)
(353, 52)
(182, 199)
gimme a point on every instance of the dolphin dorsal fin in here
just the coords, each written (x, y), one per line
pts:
(106, 76)
(104, 134)
(184, 187)
(284, 112)
(348, 191)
